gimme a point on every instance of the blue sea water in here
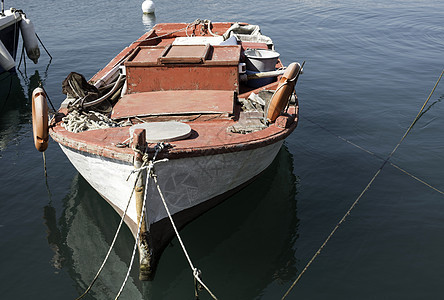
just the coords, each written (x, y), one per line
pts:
(370, 66)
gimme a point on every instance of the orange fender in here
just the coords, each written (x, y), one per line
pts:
(283, 92)
(40, 119)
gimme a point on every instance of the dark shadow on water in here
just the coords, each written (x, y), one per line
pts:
(80, 238)
(15, 106)
(243, 245)
(248, 237)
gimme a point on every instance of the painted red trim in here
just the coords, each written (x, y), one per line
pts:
(208, 138)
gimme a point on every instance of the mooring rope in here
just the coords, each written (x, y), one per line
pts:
(48, 190)
(375, 155)
(149, 167)
(364, 191)
(22, 58)
(114, 239)
(196, 271)
(47, 97)
(46, 50)
(150, 173)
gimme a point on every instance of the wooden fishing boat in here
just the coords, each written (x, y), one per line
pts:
(193, 111)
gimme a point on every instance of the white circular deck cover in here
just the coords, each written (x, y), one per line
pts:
(163, 131)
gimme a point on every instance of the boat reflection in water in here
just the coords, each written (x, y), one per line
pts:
(15, 106)
(148, 21)
(249, 236)
(80, 242)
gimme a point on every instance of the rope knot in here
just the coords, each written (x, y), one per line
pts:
(151, 165)
(197, 273)
(159, 147)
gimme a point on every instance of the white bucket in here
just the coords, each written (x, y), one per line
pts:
(261, 60)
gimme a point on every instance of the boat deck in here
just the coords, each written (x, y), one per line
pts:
(182, 102)
(195, 84)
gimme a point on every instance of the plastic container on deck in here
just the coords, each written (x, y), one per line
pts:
(261, 60)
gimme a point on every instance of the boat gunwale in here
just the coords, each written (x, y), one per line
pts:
(14, 17)
(258, 139)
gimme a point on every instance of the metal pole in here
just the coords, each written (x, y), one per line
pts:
(3, 8)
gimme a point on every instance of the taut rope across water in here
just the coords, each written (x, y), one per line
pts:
(364, 191)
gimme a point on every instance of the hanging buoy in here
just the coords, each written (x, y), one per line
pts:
(6, 60)
(40, 119)
(148, 7)
(29, 39)
(283, 92)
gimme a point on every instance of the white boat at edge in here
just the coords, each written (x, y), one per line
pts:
(11, 22)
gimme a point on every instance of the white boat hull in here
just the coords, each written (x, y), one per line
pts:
(185, 182)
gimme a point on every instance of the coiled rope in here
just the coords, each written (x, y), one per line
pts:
(77, 121)
(364, 191)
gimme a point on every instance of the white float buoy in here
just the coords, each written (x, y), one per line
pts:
(148, 7)
(29, 39)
